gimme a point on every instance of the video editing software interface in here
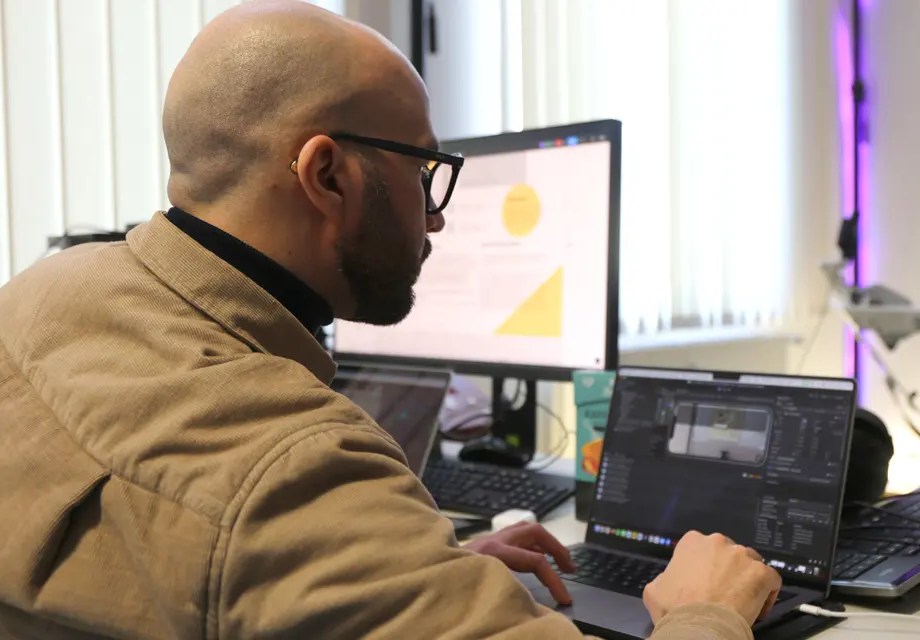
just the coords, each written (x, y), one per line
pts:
(758, 458)
(519, 273)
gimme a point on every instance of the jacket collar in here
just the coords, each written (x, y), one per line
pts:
(226, 295)
(284, 286)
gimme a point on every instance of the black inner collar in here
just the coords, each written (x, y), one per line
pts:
(306, 305)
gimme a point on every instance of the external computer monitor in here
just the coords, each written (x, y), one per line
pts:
(522, 281)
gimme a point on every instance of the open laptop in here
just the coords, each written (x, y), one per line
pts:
(404, 401)
(878, 549)
(761, 459)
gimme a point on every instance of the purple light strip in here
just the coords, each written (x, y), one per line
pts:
(867, 266)
(843, 57)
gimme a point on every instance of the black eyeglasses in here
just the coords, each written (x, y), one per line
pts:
(438, 187)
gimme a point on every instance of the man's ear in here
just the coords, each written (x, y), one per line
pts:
(323, 175)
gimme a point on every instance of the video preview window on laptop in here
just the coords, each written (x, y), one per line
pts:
(758, 458)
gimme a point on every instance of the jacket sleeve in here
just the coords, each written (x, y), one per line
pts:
(702, 622)
(334, 537)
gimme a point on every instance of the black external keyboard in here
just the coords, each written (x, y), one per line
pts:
(486, 490)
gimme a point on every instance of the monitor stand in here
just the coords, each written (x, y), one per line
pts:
(513, 438)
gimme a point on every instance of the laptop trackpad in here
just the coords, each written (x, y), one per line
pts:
(597, 611)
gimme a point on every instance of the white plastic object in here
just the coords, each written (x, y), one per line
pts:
(811, 609)
(512, 516)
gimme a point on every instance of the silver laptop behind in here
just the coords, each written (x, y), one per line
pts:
(761, 459)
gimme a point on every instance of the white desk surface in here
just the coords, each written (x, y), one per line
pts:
(562, 524)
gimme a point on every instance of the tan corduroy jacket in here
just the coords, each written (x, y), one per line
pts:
(174, 465)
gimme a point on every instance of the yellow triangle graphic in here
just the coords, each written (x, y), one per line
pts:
(540, 314)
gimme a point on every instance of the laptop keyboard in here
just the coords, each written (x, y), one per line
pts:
(620, 573)
(850, 564)
(868, 537)
(611, 571)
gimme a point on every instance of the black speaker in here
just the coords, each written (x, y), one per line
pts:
(870, 454)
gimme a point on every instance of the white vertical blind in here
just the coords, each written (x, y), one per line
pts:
(33, 125)
(703, 90)
(6, 226)
(86, 122)
(135, 142)
(732, 156)
(81, 92)
(585, 60)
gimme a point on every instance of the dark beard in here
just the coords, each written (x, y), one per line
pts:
(377, 263)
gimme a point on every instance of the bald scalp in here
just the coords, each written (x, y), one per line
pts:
(255, 83)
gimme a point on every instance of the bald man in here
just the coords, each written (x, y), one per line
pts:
(173, 463)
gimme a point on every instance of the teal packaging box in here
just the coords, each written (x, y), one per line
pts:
(593, 390)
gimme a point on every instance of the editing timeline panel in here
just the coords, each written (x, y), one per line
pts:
(761, 464)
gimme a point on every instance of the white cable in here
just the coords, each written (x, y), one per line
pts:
(559, 450)
(813, 610)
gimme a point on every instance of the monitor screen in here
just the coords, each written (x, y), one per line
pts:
(404, 402)
(523, 278)
(761, 459)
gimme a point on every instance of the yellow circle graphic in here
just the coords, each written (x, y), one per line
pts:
(521, 211)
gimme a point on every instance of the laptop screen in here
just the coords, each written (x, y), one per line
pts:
(761, 459)
(405, 402)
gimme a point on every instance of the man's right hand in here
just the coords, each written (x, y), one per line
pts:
(713, 569)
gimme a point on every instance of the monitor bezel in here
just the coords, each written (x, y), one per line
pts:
(606, 130)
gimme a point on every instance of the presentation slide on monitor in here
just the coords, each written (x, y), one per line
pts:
(519, 273)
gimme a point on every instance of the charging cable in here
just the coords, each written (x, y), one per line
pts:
(826, 613)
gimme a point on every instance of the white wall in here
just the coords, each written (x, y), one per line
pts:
(464, 76)
(392, 18)
(816, 184)
(893, 206)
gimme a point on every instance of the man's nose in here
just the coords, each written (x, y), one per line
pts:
(435, 223)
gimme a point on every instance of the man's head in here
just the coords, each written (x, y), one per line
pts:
(248, 122)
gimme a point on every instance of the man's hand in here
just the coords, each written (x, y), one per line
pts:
(713, 569)
(523, 547)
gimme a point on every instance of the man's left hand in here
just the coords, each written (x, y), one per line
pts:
(523, 547)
